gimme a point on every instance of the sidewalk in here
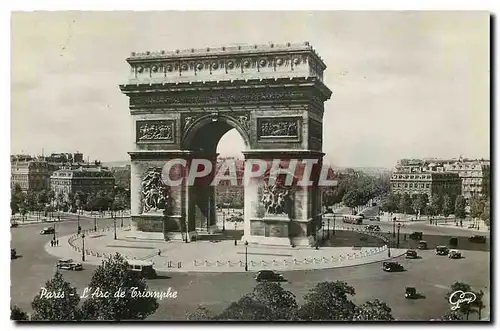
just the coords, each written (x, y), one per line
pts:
(222, 256)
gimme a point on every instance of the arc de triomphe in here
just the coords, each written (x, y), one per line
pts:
(183, 102)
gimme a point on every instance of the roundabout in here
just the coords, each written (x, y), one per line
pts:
(353, 247)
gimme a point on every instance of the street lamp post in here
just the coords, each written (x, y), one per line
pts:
(78, 219)
(223, 221)
(121, 219)
(114, 225)
(83, 247)
(399, 227)
(328, 233)
(388, 248)
(394, 227)
(246, 255)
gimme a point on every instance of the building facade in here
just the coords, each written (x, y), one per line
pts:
(30, 174)
(69, 180)
(422, 178)
(475, 175)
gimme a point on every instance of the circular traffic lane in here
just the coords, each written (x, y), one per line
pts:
(432, 275)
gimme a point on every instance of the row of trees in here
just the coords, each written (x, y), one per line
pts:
(112, 277)
(480, 208)
(420, 204)
(327, 301)
(48, 200)
(356, 189)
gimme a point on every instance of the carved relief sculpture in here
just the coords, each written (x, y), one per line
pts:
(154, 130)
(244, 121)
(155, 194)
(277, 199)
(278, 128)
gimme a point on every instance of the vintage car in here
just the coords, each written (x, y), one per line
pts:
(372, 227)
(392, 267)
(454, 254)
(13, 253)
(375, 218)
(410, 293)
(14, 225)
(411, 254)
(69, 265)
(442, 250)
(416, 235)
(478, 239)
(269, 276)
(422, 244)
(49, 230)
(144, 268)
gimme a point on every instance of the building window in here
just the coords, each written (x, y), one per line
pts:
(406, 185)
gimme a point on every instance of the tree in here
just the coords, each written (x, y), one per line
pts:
(374, 310)
(436, 204)
(476, 207)
(246, 309)
(281, 302)
(391, 203)
(328, 301)
(112, 276)
(16, 314)
(405, 204)
(16, 199)
(466, 308)
(485, 215)
(351, 199)
(460, 207)
(447, 206)
(57, 301)
(200, 314)
(452, 316)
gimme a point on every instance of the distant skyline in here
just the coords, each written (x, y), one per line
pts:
(405, 84)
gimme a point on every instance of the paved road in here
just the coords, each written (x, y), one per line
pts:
(431, 275)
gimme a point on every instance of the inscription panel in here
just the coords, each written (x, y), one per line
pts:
(155, 131)
(287, 128)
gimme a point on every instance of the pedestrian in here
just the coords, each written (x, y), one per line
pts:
(51, 243)
(461, 224)
(57, 242)
(159, 252)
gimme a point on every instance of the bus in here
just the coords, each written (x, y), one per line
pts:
(353, 219)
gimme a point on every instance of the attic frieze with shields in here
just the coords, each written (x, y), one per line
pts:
(262, 61)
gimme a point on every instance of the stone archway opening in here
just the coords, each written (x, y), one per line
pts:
(203, 138)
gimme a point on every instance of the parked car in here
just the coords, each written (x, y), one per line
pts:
(13, 253)
(442, 250)
(410, 293)
(372, 227)
(478, 239)
(392, 266)
(269, 275)
(416, 235)
(411, 254)
(422, 244)
(375, 218)
(69, 265)
(14, 225)
(454, 254)
(49, 230)
(144, 268)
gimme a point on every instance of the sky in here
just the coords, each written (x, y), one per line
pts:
(405, 84)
